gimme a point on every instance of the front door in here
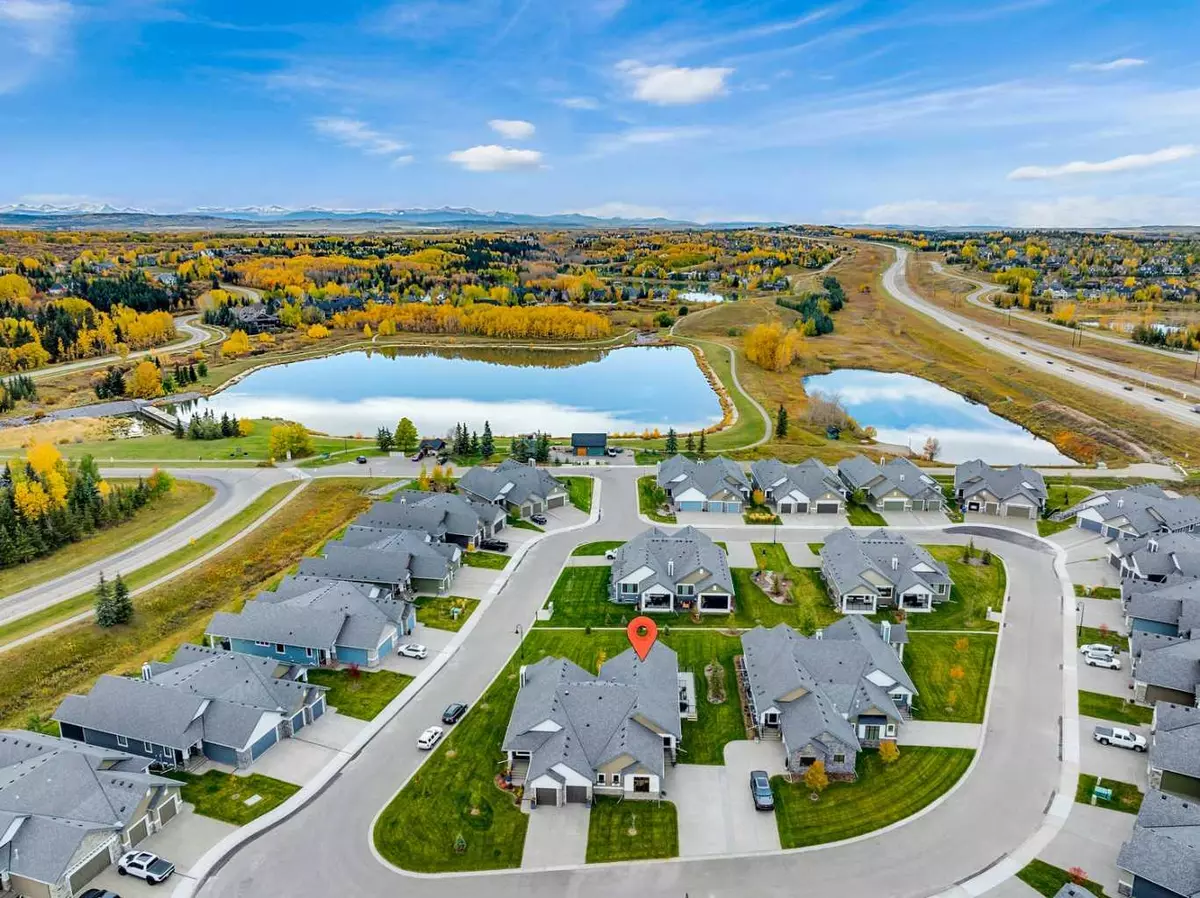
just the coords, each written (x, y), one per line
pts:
(641, 784)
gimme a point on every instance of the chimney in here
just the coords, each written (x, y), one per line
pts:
(885, 631)
(521, 680)
(1120, 503)
(820, 634)
(895, 563)
(146, 675)
(901, 478)
(670, 567)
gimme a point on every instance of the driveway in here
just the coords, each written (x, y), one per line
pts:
(716, 814)
(916, 519)
(709, 519)
(558, 518)
(1093, 572)
(1106, 612)
(300, 758)
(740, 554)
(1109, 761)
(801, 555)
(940, 734)
(473, 582)
(1106, 682)
(1025, 525)
(556, 836)
(433, 639)
(1091, 839)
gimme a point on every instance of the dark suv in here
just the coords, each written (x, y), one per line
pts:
(454, 713)
(760, 791)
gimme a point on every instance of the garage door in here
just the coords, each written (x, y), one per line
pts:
(691, 506)
(991, 508)
(827, 508)
(577, 794)
(557, 502)
(168, 810)
(893, 505)
(1018, 511)
(138, 831)
(91, 868)
(1085, 524)
(735, 507)
(546, 796)
(785, 507)
(319, 708)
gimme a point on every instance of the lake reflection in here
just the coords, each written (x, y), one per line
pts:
(906, 410)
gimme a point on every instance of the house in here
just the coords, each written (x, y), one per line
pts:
(1174, 757)
(68, 811)
(1156, 557)
(386, 571)
(714, 485)
(1014, 492)
(589, 444)
(1137, 511)
(255, 317)
(826, 697)
(866, 572)
(1162, 857)
(895, 485)
(522, 490)
(316, 622)
(1171, 608)
(657, 571)
(431, 565)
(430, 446)
(465, 522)
(1165, 668)
(573, 734)
(204, 703)
(810, 487)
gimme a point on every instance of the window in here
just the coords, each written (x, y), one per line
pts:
(308, 652)
(839, 758)
(122, 741)
(599, 779)
(263, 644)
(148, 746)
(280, 648)
(891, 729)
(686, 589)
(629, 589)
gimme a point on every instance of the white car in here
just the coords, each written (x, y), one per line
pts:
(1119, 737)
(611, 555)
(145, 865)
(1097, 648)
(1102, 659)
(413, 650)
(429, 738)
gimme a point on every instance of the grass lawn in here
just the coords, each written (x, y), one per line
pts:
(186, 497)
(1047, 880)
(648, 492)
(222, 796)
(631, 830)
(976, 588)
(598, 548)
(1088, 635)
(1114, 708)
(861, 516)
(491, 560)
(1126, 796)
(1097, 592)
(882, 795)
(933, 659)
(361, 694)
(1049, 528)
(434, 611)
(579, 491)
(1061, 495)
(522, 524)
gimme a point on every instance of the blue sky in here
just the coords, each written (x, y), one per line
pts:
(1023, 112)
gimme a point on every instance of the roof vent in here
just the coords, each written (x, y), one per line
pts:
(1120, 503)
(895, 563)
(670, 567)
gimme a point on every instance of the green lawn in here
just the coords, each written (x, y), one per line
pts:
(1088, 635)
(861, 516)
(760, 514)
(491, 560)
(223, 796)
(434, 611)
(522, 524)
(647, 502)
(1059, 495)
(579, 490)
(882, 795)
(1049, 528)
(1097, 592)
(598, 548)
(932, 659)
(1126, 796)
(816, 548)
(631, 830)
(1048, 880)
(1114, 708)
(186, 497)
(361, 694)
(976, 588)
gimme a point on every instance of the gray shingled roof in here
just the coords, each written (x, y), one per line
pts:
(1174, 666)
(510, 482)
(1165, 846)
(341, 562)
(811, 478)
(1146, 509)
(137, 710)
(231, 676)
(463, 514)
(363, 620)
(402, 516)
(899, 474)
(848, 555)
(1176, 742)
(266, 622)
(427, 560)
(1004, 483)
(684, 552)
(714, 477)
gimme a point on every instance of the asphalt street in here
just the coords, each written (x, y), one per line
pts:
(197, 334)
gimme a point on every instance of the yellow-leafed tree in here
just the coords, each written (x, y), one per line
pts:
(146, 381)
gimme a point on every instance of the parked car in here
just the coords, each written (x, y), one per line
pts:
(1119, 737)
(454, 712)
(145, 865)
(1096, 647)
(416, 457)
(429, 738)
(760, 791)
(362, 460)
(1127, 389)
(1107, 660)
(610, 555)
(98, 893)
(494, 545)
(538, 518)
(413, 650)
(612, 451)
(1196, 409)
(1159, 399)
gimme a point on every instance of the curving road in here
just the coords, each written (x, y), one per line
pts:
(324, 848)
(197, 334)
(895, 282)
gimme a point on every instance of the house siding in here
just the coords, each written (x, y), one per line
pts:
(1154, 626)
(1144, 888)
(222, 754)
(109, 740)
(292, 654)
(1180, 784)
(354, 656)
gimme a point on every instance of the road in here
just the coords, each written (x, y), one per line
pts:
(197, 334)
(324, 848)
(1000, 342)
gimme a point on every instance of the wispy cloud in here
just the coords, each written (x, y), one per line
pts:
(1119, 164)
(1113, 65)
(579, 103)
(32, 32)
(513, 129)
(496, 158)
(916, 212)
(640, 137)
(667, 85)
(359, 135)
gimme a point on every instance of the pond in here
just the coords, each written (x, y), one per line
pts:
(906, 410)
(517, 391)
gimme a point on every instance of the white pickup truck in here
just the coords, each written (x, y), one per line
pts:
(1119, 737)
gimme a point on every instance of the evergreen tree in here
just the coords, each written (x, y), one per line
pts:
(202, 369)
(700, 450)
(179, 432)
(383, 439)
(191, 369)
(691, 442)
(225, 429)
(105, 611)
(520, 449)
(122, 603)
(474, 443)
(487, 445)
(672, 442)
(543, 448)
(781, 422)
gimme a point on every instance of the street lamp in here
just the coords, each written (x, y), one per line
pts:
(1079, 608)
(520, 634)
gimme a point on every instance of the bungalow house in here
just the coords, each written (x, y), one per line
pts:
(895, 485)
(1165, 668)
(1014, 492)
(1156, 557)
(589, 444)
(254, 317)
(1137, 511)
(522, 490)
(828, 696)
(573, 734)
(388, 572)
(68, 811)
(810, 487)
(1174, 757)
(1171, 608)
(465, 522)
(431, 565)
(657, 571)
(205, 703)
(1162, 857)
(430, 446)
(864, 573)
(316, 622)
(714, 485)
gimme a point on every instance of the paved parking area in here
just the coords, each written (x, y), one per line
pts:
(940, 734)
(556, 837)
(1106, 682)
(1107, 612)
(1093, 572)
(1091, 839)
(716, 813)
(740, 554)
(473, 582)
(433, 639)
(558, 518)
(801, 555)
(1026, 525)
(821, 521)
(709, 519)
(1108, 760)
(916, 518)
(1080, 544)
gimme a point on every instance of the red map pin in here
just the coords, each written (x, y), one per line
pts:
(642, 633)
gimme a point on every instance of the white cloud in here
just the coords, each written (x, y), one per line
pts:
(513, 129)
(918, 212)
(1120, 163)
(635, 137)
(667, 85)
(358, 135)
(1113, 65)
(580, 103)
(625, 210)
(32, 32)
(496, 158)
(1107, 212)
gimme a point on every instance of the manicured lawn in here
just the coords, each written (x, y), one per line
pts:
(491, 560)
(186, 497)
(522, 524)
(1049, 528)
(1088, 635)
(361, 693)
(1047, 880)
(760, 514)
(1126, 796)
(598, 548)
(976, 588)
(882, 795)
(861, 516)
(579, 491)
(934, 659)
(1059, 495)
(631, 830)
(816, 548)
(1097, 592)
(1114, 708)
(647, 504)
(223, 796)
(434, 611)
